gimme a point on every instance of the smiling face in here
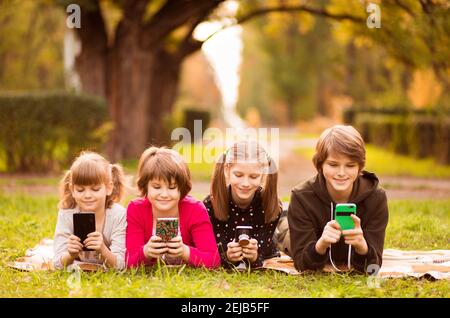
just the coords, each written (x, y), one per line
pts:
(91, 198)
(164, 197)
(244, 178)
(340, 172)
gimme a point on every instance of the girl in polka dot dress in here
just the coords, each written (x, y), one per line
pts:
(244, 193)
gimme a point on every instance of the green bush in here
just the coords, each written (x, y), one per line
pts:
(442, 152)
(418, 133)
(41, 132)
(423, 135)
(400, 132)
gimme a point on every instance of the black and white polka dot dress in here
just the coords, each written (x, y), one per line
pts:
(253, 215)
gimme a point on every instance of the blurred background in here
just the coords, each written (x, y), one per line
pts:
(136, 70)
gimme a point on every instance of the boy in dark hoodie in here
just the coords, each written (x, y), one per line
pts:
(314, 238)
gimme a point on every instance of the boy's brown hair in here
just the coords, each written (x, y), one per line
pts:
(163, 164)
(340, 139)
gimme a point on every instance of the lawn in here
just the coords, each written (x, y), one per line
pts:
(387, 163)
(24, 220)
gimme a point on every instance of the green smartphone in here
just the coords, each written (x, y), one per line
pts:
(342, 214)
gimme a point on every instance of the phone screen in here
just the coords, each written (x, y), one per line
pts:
(342, 214)
(83, 224)
(166, 228)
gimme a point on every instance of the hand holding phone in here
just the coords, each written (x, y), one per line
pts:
(355, 237)
(74, 246)
(83, 224)
(155, 248)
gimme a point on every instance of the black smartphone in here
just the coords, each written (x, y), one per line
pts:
(83, 224)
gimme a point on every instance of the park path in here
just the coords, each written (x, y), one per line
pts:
(293, 169)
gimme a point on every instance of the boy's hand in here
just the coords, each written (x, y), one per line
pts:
(250, 251)
(355, 237)
(155, 247)
(74, 246)
(234, 252)
(330, 235)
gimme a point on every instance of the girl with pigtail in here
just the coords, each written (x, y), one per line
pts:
(244, 193)
(91, 184)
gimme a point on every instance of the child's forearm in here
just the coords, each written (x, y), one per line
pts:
(186, 254)
(67, 259)
(108, 257)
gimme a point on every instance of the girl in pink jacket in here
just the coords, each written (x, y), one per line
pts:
(164, 183)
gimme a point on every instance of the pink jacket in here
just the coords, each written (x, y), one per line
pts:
(195, 226)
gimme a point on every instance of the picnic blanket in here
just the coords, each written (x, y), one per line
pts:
(396, 263)
(40, 258)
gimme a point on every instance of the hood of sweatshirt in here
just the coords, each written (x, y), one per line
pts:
(363, 186)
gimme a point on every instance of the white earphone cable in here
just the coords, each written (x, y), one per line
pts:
(329, 251)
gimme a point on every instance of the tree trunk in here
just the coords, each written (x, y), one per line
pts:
(142, 86)
(91, 62)
(136, 75)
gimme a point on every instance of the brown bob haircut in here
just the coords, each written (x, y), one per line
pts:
(163, 164)
(340, 139)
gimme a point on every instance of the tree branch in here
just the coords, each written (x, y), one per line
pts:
(189, 44)
(300, 8)
(405, 7)
(173, 14)
(133, 10)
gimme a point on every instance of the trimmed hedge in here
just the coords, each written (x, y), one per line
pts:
(419, 133)
(43, 132)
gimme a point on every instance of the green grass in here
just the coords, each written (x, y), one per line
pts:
(387, 163)
(25, 220)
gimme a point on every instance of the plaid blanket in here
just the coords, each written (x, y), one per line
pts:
(40, 258)
(396, 263)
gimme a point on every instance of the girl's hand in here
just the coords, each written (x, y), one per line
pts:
(74, 246)
(234, 252)
(155, 248)
(355, 237)
(95, 242)
(330, 235)
(250, 251)
(178, 249)
(175, 246)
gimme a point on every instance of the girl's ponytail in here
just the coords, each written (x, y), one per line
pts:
(219, 190)
(270, 202)
(67, 201)
(118, 181)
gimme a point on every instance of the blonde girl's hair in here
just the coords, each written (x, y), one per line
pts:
(245, 152)
(90, 168)
(163, 164)
(340, 139)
